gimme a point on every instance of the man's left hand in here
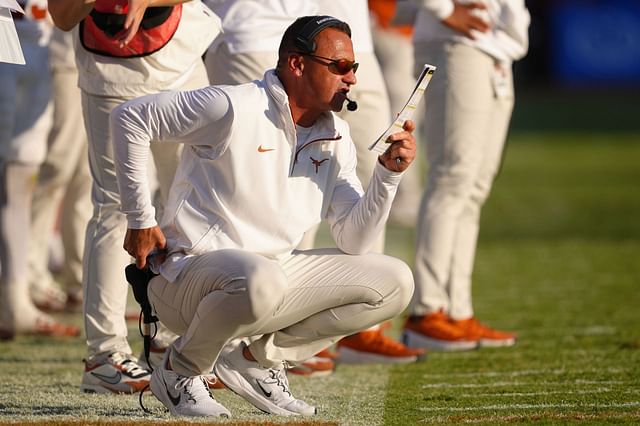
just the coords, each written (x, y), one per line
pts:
(402, 151)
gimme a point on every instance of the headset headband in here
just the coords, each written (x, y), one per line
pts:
(305, 40)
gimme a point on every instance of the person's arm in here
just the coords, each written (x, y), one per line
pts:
(67, 13)
(135, 14)
(464, 18)
(201, 117)
(355, 218)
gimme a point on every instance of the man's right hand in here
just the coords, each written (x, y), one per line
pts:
(465, 19)
(140, 242)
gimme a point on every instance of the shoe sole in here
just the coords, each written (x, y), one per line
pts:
(497, 343)
(103, 390)
(234, 381)
(309, 373)
(351, 356)
(417, 340)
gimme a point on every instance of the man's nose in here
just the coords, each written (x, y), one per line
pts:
(350, 78)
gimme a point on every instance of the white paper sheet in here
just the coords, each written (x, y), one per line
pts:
(10, 50)
(407, 111)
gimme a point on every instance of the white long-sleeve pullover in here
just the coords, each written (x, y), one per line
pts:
(245, 181)
(506, 41)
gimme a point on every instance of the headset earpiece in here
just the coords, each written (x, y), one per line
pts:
(305, 40)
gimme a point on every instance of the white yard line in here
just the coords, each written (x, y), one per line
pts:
(507, 383)
(530, 406)
(555, 372)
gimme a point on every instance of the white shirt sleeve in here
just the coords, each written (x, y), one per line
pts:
(201, 117)
(355, 218)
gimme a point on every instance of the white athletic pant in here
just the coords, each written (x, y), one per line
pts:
(25, 118)
(466, 125)
(104, 284)
(63, 181)
(300, 305)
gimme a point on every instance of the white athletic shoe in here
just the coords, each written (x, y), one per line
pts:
(185, 395)
(118, 373)
(265, 388)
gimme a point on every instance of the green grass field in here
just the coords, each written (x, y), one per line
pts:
(558, 262)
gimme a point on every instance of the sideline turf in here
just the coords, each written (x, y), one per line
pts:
(557, 262)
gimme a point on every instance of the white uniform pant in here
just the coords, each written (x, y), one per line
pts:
(63, 178)
(300, 305)
(104, 284)
(25, 118)
(466, 125)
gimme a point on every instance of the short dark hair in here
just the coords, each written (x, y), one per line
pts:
(301, 35)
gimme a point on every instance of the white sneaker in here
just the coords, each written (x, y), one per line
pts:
(119, 373)
(265, 388)
(185, 395)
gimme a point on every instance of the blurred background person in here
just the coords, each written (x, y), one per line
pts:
(251, 34)
(392, 31)
(61, 205)
(367, 124)
(116, 64)
(468, 110)
(25, 119)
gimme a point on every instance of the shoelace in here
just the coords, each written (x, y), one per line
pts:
(194, 387)
(129, 365)
(279, 378)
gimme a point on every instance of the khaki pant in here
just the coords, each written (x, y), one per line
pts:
(466, 124)
(63, 178)
(104, 285)
(299, 305)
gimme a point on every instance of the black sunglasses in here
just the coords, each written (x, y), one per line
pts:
(336, 66)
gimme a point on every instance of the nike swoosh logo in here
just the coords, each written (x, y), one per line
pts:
(112, 380)
(264, 391)
(175, 400)
(263, 149)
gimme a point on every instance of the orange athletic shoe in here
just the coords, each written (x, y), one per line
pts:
(316, 366)
(326, 353)
(436, 331)
(52, 328)
(489, 338)
(372, 346)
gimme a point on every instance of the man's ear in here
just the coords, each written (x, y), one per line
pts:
(296, 65)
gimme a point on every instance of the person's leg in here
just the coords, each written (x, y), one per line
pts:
(104, 286)
(456, 123)
(213, 289)
(104, 260)
(22, 147)
(63, 177)
(331, 295)
(469, 220)
(301, 306)
(457, 117)
(77, 209)
(461, 310)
